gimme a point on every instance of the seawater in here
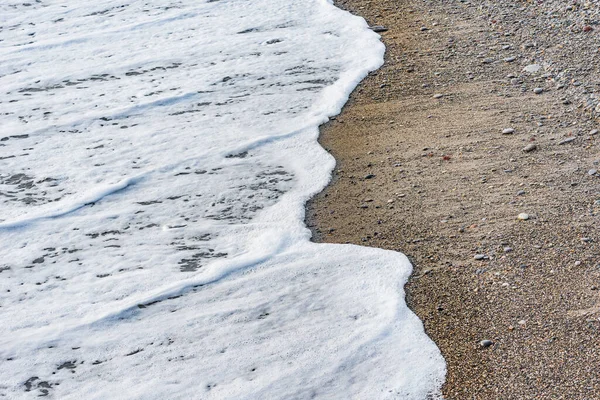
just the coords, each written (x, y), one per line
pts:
(155, 159)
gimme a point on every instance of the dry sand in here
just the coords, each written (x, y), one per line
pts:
(435, 178)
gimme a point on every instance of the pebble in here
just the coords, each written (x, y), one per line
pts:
(438, 96)
(486, 343)
(567, 140)
(538, 90)
(529, 148)
(521, 193)
(508, 249)
(479, 256)
(523, 216)
(509, 59)
(369, 176)
(532, 68)
(593, 132)
(424, 28)
(378, 28)
(508, 131)
(592, 172)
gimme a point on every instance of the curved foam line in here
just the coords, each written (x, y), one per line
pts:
(60, 211)
(218, 271)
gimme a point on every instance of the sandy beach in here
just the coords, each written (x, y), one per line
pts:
(474, 151)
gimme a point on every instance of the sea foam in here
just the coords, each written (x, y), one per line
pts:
(155, 161)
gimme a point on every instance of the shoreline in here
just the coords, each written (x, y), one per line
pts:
(424, 168)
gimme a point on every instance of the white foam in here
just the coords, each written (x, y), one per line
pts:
(156, 159)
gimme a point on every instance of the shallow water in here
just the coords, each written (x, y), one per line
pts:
(154, 163)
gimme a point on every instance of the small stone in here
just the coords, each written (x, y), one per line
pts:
(508, 249)
(508, 131)
(521, 193)
(592, 172)
(479, 256)
(538, 90)
(523, 217)
(567, 140)
(532, 68)
(424, 28)
(378, 28)
(593, 132)
(529, 148)
(369, 176)
(587, 28)
(438, 96)
(509, 59)
(486, 343)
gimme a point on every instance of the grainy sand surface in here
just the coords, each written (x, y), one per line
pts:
(435, 178)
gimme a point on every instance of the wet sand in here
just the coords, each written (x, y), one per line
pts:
(423, 167)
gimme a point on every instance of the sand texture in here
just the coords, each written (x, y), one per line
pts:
(483, 112)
